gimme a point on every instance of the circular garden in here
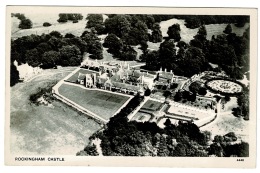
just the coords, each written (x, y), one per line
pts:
(224, 86)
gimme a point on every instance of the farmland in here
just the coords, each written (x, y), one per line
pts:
(102, 103)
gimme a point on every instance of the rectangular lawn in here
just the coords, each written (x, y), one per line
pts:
(74, 77)
(152, 105)
(102, 103)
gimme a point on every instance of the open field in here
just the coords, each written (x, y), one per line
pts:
(102, 103)
(54, 130)
(74, 77)
(38, 19)
(226, 122)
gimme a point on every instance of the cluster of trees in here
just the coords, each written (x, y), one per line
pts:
(96, 21)
(185, 96)
(195, 21)
(125, 31)
(229, 51)
(65, 17)
(50, 50)
(243, 104)
(197, 88)
(24, 22)
(179, 61)
(222, 146)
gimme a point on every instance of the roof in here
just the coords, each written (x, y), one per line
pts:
(166, 75)
(127, 86)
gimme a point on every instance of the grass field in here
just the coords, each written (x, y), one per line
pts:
(74, 77)
(141, 117)
(102, 103)
(152, 105)
(42, 130)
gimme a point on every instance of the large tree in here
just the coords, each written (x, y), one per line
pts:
(25, 24)
(228, 29)
(113, 43)
(174, 32)
(50, 59)
(156, 33)
(33, 57)
(14, 75)
(70, 55)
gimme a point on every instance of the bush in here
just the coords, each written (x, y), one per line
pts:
(202, 91)
(46, 24)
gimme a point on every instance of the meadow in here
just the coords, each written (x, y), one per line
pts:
(46, 130)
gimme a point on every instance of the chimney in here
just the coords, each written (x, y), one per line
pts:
(160, 69)
(171, 71)
(165, 70)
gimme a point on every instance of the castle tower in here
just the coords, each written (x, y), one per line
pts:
(160, 70)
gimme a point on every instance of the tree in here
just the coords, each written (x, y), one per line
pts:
(91, 150)
(62, 18)
(227, 99)
(174, 32)
(202, 91)
(70, 55)
(196, 57)
(33, 57)
(69, 35)
(14, 76)
(25, 24)
(113, 43)
(177, 96)
(56, 34)
(156, 33)
(50, 59)
(93, 20)
(147, 92)
(46, 24)
(152, 60)
(128, 53)
(118, 25)
(167, 53)
(166, 94)
(228, 29)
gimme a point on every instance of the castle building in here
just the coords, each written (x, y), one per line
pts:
(119, 76)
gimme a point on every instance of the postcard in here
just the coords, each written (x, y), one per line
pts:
(131, 86)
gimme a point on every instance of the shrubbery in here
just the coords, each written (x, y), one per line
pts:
(46, 24)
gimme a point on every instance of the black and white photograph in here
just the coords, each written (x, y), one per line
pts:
(131, 86)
